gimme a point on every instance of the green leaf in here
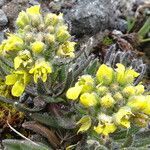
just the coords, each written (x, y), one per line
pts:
(46, 119)
(131, 23)
(23, 145)
(142, 138)
(49, 99)
(54, 121)
(145, 28)
(124, 133)
(92, 68)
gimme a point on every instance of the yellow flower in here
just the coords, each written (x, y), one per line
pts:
(137, 103)
(130, 75)
(141, 119)
(107, 101)
(88, 99)
(146, 110)
(34, 10)
(102, 90)
(125, 76)
(87, 83)
(74, 92)
(53, 19)
(13, 43)
(41, 70)
(66, 49)
(62, 34)
(85, 123)
(118, 96)
(105, 74)
(18, 80)
(24, 58)
(50, 39)
(37, 47)
(22, 20)
(105, 125)
(120, 73)
(122, 117)
(129, 91)
(139, 89)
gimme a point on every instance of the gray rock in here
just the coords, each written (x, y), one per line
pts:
(34, 2)
(88, 17)
(3, 18)
(2, 3)
(91, 16)
(122, 25)
(1, 36)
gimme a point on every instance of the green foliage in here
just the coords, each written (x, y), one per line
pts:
(23, 145)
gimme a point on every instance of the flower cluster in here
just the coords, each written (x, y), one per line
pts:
(38, 40)
(112, 98)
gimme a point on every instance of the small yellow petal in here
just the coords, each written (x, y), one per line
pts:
(107, 101)
(17, 89)
(74, 92)
(17, 62)
(34, 10)
(11, 79)
(37, 47)
(88, 99)
(85, 123)
(105, 74)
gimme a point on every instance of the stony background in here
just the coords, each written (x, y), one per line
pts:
(85, 17)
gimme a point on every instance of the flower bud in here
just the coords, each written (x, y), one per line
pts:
(41, 27)
(102, 90)
(51, 19)
(118, 96)
(22, 20)
(29, 37)
(37, 47)
(88, 99)
(141, 120)
(50, 29)
(129, 91)
(50, 38)
(36, 20)
(139, 89)
(62, 34)
(27, 28)
(114, 87)
(107, 101)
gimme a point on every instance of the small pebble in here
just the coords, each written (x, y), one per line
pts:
(3, 18)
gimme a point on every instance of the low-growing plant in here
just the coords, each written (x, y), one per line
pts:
(70, 100)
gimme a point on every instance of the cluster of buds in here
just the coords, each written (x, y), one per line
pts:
(111, 100)
(39, 39)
